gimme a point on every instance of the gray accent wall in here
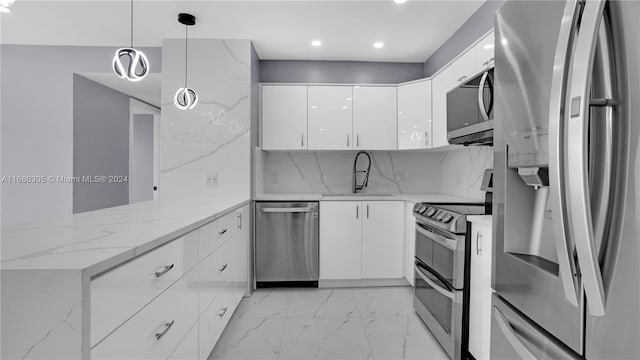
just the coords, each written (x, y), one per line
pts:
(339, 72)
(477, 25)
(100, 144)
(37, 123)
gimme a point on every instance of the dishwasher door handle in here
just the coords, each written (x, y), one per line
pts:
(288, 210)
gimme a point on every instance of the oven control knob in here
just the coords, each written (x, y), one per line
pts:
(430, 211)
(440, 214)
(447, 218)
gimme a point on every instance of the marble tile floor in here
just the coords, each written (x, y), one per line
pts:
(353, 323)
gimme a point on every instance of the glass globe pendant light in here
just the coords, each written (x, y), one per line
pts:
(136, 64)
(186, 98)
(5, 5)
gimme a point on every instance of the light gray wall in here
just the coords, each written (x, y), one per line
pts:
(294, 71)
(37, 123)
(478, 24)
(142, 167)
(100, 144)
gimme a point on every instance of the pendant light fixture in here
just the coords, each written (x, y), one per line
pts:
(137, 65)
(186, 98)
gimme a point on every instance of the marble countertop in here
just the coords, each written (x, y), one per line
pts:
(485, 220)
(95, 241)
(426, 197)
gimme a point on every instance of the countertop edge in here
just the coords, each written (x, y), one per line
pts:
(485, 220)
(103, 266)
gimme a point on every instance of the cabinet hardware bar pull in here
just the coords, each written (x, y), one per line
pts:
(357, 211)
(302, 140)
(358, 140)
(462, 78)
(167, 326)
(165, 270)
(367, 211)
(223, 267)
(222, 232)
(222, 311)
(426, 138)
(347, 140)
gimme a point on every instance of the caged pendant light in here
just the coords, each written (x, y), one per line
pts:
(186, 98)
(138, 64)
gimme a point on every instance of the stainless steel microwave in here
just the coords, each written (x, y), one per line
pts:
(470, 111)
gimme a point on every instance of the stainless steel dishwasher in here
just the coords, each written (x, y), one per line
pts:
(286, 249)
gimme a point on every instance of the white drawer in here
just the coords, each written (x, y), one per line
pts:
(121, 292)
(157, 330)
(216, 317)
(188, 348)
(212, 235)
(218, 270)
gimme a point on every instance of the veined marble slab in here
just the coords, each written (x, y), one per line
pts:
(95, 241)
(426, 197)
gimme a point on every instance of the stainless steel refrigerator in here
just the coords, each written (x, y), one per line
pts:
(566, 272)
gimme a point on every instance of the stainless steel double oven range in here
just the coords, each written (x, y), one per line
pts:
(441, 276)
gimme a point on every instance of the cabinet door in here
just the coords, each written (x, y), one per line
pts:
(284, 117)
(375, 117)
(414, 116)
(340, 240)
(480, 292)
(382, 240)
(484, 53)
(330, 110)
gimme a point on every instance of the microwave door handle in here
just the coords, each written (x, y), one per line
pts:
(557, 193)
(438, 288)
(483, 110)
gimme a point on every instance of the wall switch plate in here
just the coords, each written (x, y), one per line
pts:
(212, 179)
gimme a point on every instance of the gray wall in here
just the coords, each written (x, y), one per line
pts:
(37, 123)
(359, 72)
(142, 165)
(478, 24)
(100, 144)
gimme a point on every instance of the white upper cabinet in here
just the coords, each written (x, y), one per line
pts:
(284, 117)
(330, 114)
(484, 52)
(414, 115)
(375, 118)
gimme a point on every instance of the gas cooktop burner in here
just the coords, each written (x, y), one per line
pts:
(451, 217)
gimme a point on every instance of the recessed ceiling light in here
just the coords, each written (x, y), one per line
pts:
(378, 45)
(316, 43)
(399, 1)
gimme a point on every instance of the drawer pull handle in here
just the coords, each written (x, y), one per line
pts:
(222, 232)
(223, 267)
(167, 326)
(462, 78)
(222, 311)
(166, 269)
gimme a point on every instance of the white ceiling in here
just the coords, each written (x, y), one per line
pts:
(279, 29)
(147, 90)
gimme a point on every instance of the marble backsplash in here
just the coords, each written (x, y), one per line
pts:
(214, 137)
(455, 172)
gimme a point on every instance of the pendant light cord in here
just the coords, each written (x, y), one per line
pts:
(131, 24)
(186, 54)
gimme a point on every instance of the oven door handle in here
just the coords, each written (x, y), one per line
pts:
(448, 243)
(445, 292)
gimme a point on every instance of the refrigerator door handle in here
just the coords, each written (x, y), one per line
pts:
(577, 118)
(511, 336)
(557, 194)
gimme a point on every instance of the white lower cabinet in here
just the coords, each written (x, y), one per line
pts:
(361, 240)
(184, 320)
(156, 330)
(340, 240)
(480, 292)
(382, 240)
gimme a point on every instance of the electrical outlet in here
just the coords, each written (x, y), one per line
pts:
(212, 179)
